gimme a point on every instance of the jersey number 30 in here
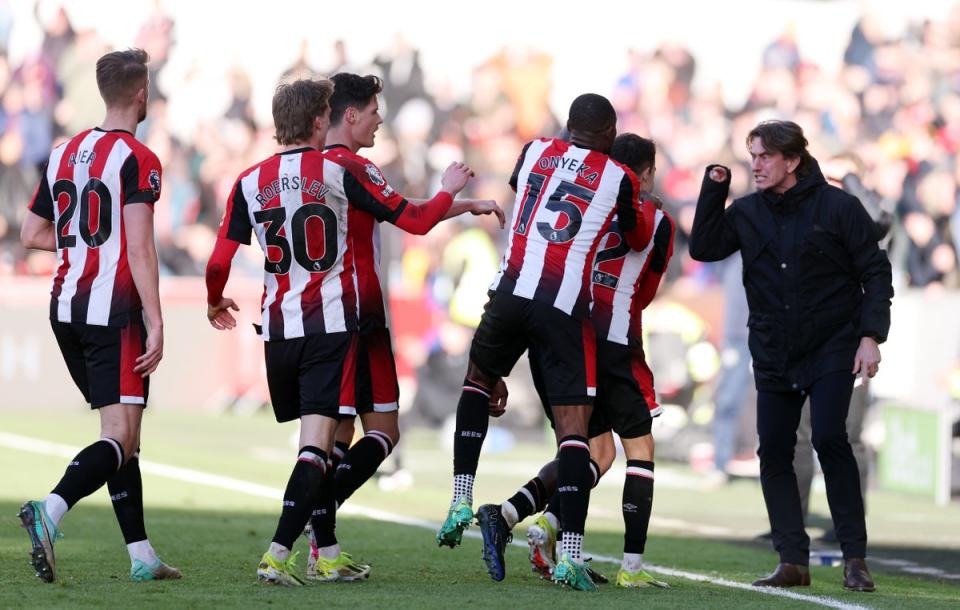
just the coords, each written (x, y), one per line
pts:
(274, 219)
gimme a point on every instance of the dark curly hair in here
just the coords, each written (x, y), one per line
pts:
(352, 90)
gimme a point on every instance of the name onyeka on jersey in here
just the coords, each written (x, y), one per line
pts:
(316, 189)
(568, 163)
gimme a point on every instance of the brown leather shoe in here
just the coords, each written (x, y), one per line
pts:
(786, 575)
(856, 576)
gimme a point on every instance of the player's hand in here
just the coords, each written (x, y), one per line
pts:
(719, 173)
(148, 362)
(498, 399)
(656, 201)
(219, 315)
(489, 206)
(455, 178)
(867, 360)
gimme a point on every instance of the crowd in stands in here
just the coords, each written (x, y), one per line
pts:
(891, 115)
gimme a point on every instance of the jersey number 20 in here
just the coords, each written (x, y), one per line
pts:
(93, 188)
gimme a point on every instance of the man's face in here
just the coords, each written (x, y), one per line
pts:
(322, 125)
(142, 100)
(367, 122)
(771, 170)
(647, 178)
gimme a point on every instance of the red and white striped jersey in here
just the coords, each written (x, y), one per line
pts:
(85, 185)
(625, 280)
(372, 201)
(566, 199)
(297, 203)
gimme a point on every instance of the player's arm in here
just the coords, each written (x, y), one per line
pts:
(140, 180)
(477, 207)
(142, 259)
(419, 219)
(234, 230)
(37, 231)
(713, 237)
(634, 215)
(660, 256)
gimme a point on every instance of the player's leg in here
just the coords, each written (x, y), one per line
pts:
(378, 395)
(89, 470)
(124, 421)
(497, 521)
(305, 378)
(637, 506)
(629, 401)
(321, 532)
(778, 415)
(497, 345)
(829, 404)
(567, 349)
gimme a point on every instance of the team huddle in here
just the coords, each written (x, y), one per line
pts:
(586, 249)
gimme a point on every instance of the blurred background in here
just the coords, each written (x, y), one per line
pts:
(875, 85)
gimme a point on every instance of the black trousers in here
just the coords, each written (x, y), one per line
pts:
(778, 415)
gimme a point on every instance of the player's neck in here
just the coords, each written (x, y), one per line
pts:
(340, 137)
(120, 118)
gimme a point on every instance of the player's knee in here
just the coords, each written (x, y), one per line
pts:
(603, 452)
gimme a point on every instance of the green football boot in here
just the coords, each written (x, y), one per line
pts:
(458, 519)
(576, 575)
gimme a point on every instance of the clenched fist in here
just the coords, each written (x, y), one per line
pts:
(718, 173)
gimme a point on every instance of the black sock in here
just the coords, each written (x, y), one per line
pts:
(359, 464)
(302, 494)
(126, 494)
(89, 470)
(324, 519)
(574, 482)
(472, 421)
(530, 499)
(637, 504)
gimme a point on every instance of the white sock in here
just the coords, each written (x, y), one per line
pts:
(279, 551)
(572, 546)
(632, 562)
(330, 552)
(552, 520)
(462, 487)
(143, 551)
(56, 508)
(509, 512)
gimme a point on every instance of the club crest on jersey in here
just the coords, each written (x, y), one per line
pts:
(374, 174)
(154, 179)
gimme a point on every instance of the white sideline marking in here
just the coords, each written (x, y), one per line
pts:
(188, 475)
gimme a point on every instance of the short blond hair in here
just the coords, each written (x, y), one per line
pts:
(295, 107)
(121, 74)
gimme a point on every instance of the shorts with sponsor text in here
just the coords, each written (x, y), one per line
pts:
(376, 387)
(310, 375)
(101, 361)
(564, 347)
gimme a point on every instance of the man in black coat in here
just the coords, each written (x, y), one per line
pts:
(818, 290)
